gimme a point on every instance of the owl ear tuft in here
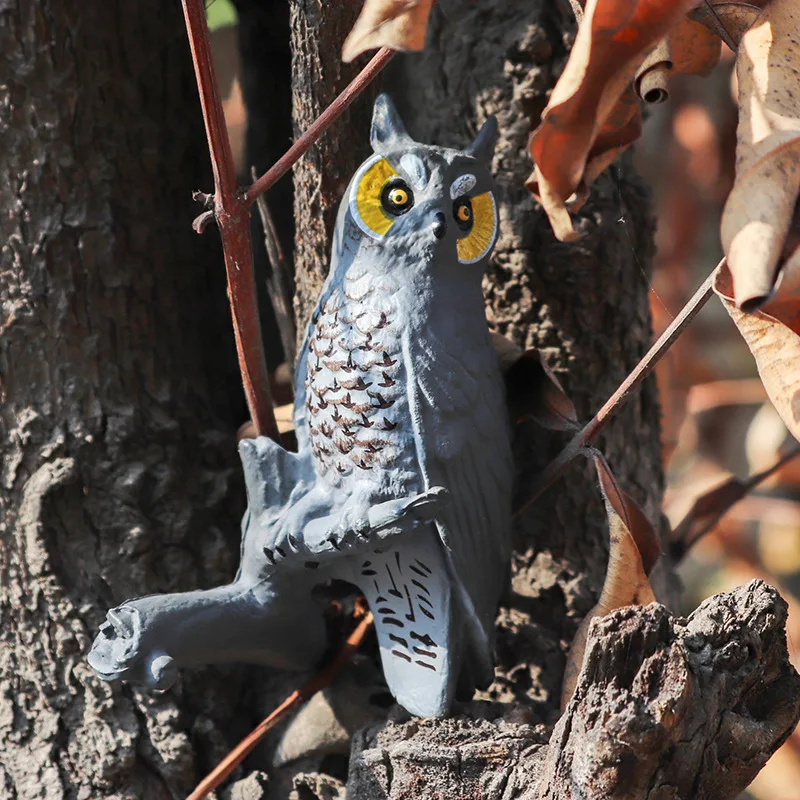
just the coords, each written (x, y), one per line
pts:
(483, 147)
(388, 132)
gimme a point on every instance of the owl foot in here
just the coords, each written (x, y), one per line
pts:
(364, 526)
(117, 652)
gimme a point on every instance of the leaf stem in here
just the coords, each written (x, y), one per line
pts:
(583, 438)
(278, 281)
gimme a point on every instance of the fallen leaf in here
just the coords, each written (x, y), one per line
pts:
(760, 212)
(532, 389)
(398, 24)
(634, 549)
(774, 341)
(582, 123)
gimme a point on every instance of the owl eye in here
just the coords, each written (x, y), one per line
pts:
(396, 197)
(462, 211)
(476, 217)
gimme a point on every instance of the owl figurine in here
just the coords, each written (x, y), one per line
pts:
(402, 481)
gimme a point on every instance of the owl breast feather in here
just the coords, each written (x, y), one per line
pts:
(355, 387)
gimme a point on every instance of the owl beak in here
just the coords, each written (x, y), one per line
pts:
(439, 225)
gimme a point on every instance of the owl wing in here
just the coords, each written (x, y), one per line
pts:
(461, 422)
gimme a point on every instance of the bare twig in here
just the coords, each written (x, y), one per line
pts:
(295, 700)
(234, 226)
(320, 125)
(577, 446)
(277, 280)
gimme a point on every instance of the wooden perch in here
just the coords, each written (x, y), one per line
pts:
(665, 708)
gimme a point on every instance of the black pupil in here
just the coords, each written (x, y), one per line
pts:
(462, 211)
(396, 197)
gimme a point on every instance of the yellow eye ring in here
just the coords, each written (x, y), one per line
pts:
(398, 196)
(479, 229)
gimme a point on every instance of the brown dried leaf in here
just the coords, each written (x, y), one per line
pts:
(735, 18)
(582, 123)
(706, 511)
(399, 24)
(532, 389)
(711, 506)
(633, 551)
(774, 341)
(760, 212)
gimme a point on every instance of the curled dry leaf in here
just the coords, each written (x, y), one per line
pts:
(633, 551)
(689, 49)
(532, 390)
(760, 214)
(399, 24)
(774, 341)
(705, 512)
(593, 113)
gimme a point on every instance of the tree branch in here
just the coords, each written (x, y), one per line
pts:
(296, 699)
(231, 208)
(586, 436)
(234, 227)
(320, 125)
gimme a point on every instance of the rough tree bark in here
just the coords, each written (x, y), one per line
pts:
(116, 366)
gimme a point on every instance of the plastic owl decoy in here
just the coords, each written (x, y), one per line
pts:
(402, 481)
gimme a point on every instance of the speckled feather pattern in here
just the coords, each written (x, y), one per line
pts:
(355, 383)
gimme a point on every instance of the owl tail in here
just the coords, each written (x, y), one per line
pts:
(411, 596)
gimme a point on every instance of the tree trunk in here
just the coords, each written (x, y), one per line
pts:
(117, 365)
(322, 175)
(664, 709)
(585, 306)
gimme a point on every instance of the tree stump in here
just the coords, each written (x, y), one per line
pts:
(665, 709)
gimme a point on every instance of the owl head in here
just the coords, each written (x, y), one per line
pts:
(433, 202)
